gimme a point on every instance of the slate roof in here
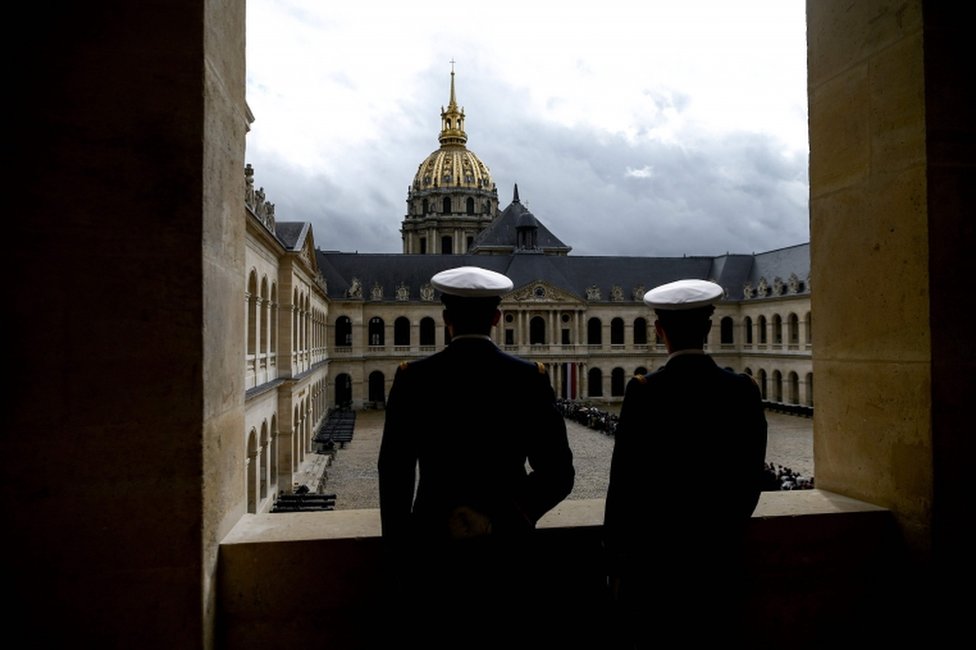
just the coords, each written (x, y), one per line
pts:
(572, 274)
(503, 233)
(781, 263)
(291, 233)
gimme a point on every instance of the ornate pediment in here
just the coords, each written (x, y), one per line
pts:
(306, 253)
(794, 283)
(402, 292)
(355, 289)
(541, 291)
(763, 288)
(778, 286)
(376, 293)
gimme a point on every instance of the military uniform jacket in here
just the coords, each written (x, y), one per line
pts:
(469, 418)
(688, 463)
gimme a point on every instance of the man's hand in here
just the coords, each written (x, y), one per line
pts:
(466, 523)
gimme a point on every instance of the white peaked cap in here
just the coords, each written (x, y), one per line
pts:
(471, 282)
(683, 294)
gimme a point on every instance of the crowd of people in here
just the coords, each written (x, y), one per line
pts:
(777, 477)
(589, 416)
(784, 478)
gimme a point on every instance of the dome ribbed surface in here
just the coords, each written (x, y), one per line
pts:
(452, 167)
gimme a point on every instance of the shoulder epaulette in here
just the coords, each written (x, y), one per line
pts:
(404, 364)
(642, 379)
(541, 366)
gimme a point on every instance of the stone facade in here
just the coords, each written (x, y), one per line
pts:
(125, 451)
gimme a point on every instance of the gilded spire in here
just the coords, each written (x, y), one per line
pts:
(453, 104)
(452, 121)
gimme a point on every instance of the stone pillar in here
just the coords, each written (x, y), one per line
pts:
(892, 233)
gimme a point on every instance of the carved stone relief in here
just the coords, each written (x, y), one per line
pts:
(355, 289)
(402, 292)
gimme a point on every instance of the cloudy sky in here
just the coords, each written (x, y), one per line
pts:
(631, 128)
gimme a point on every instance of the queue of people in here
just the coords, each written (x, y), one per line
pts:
(589, 416)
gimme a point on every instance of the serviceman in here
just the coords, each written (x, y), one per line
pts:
(482, 428)
(687, 469)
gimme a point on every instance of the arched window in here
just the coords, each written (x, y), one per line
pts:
(423, 245)
(428, 329)
(727, 336)
(762, 384)
(343, 332)
(252, 471)
(793, 381)
(263, 453)
(761, 323)
(594, 331)
(809, 389)
(343, 390)
(777, 330)
(263, 347)
(377, 390)
(252, 312)
(306, 321)
(296, 309)
(470, 206)
(274, 318)
(426, 207)
(447, 205)
(640, 331)
(777, 386)
(594, 382)
(401, 331)
(377, 336)
(298, 424)
(617, 382)
(793, 328)
(447, 245)
(747, 326)
(273, 460)
(617, 331)
(809, 322)
(537, 331)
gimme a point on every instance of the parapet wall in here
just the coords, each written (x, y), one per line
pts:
(822, 565)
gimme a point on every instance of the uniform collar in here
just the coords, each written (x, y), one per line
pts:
(681, 353)
(461, 337)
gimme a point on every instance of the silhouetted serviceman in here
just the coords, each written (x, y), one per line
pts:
(687, 469)
(482, 428)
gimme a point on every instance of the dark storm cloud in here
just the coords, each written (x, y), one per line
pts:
(601, 193)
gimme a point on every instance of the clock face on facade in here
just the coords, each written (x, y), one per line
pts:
(540, 292)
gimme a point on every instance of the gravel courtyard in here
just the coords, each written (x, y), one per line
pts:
(351, 472)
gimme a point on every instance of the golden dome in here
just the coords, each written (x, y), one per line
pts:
(452, 166)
